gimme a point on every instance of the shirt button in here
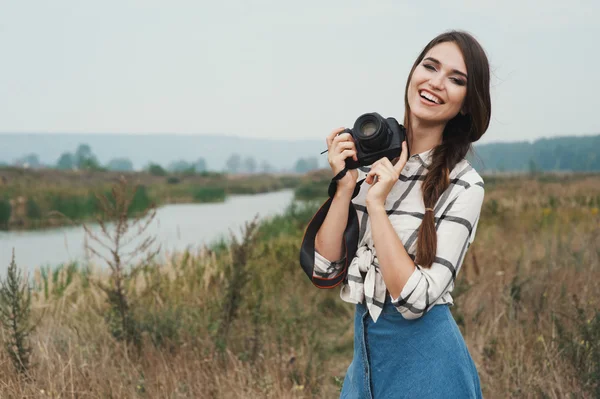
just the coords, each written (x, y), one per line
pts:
(407, 169)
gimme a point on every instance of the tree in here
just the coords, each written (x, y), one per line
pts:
(84, 158)
(156, 170)
(233, 163)
(29, 161)
(304, 165)
(118, 245)
(533, 168)
(66, 161)
(179, 166)
(120, 164)
(266, 167)
(84, 151)
(200, 165)
(250, 165)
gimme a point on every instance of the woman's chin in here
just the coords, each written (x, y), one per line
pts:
(425, 117)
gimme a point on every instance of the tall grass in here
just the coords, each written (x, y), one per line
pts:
(529, 335)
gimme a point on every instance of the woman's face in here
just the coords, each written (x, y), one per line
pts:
(438, 85)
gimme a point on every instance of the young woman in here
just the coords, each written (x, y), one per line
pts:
(417, 215)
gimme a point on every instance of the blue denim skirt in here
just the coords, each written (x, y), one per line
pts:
(399, 358)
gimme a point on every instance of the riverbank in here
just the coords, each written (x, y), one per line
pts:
(29, 198)
(175, 226)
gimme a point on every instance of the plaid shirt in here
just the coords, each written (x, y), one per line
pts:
(456, 217)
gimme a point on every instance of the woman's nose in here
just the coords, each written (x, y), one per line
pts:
(436, 82)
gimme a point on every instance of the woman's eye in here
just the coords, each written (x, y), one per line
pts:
(459, 82)
(430, 67)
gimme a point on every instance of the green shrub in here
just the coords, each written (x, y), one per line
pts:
(15, 311)
(33, 209)
(311, 190)
(5, 210)
(209, 194)
(74, 207)
(163, 326)
(293, 220)
(290, 181)
(156, 170)
(140, 201)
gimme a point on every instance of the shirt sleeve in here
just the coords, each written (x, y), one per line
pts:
(325, 268)
(455, 232)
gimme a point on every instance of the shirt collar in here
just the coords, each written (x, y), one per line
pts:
(423, 157)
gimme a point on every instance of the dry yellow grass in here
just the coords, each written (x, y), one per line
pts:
(537, 245)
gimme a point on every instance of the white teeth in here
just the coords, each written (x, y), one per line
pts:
(431, 97)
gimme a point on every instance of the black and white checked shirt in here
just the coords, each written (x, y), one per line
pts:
(456, 217)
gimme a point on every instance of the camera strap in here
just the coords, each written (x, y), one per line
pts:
(307, 249)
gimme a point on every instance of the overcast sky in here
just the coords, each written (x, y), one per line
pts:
(274, 68)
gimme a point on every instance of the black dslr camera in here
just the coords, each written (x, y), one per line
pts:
(375, 137)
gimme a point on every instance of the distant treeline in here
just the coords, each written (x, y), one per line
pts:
(84, 159)
(577, 154)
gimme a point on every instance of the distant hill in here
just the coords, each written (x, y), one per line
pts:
(574, 153)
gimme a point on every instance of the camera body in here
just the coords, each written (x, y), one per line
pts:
(375, 137)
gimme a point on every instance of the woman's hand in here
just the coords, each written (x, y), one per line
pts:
(382, 177)
(340, 147)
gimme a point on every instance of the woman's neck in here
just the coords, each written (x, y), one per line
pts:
(422, 137)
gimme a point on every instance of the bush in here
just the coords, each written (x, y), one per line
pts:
(290, 181)
(15, 311)
(5, 210)
(311, 190)
(156, 170)
(209, 194)
(173, 180)
(140, 200)
(74, 207)
(33, 209)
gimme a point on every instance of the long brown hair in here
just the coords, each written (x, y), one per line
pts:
(458, 133)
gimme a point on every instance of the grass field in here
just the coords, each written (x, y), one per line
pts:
(241, 320)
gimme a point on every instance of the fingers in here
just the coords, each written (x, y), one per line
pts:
(340, 146)
(374, 172)
(343, 147)
(332, 135)
(384, 170)
(403, 158)
(348, 153)
(342, 137)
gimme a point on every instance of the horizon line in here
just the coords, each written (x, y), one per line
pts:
(3, 133)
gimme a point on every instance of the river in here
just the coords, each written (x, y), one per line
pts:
(176, 228)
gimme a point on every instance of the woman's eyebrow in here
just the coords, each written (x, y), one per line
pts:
(439, 63)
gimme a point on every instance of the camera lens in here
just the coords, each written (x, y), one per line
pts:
(368, 128)
(372, 132)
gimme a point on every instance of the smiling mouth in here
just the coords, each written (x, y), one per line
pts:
(430, 97)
